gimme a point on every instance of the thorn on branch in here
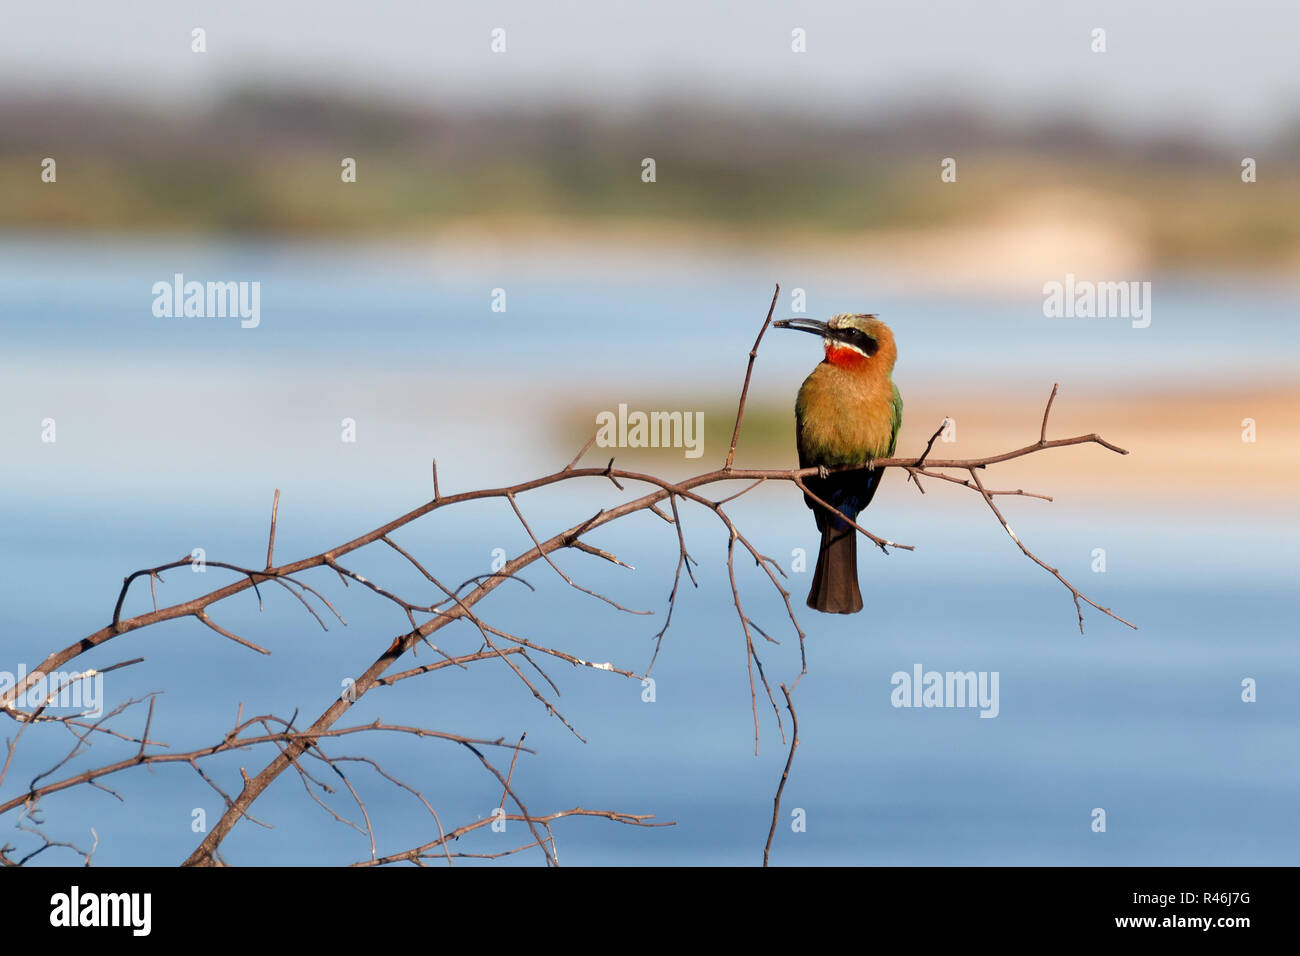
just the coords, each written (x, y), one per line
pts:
(609, 473)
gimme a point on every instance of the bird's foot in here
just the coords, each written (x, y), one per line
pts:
(822, 472)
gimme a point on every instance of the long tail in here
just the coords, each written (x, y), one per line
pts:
(835, 582)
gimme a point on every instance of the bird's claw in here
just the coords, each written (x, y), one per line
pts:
(822, 472)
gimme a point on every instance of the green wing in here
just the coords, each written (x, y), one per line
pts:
(897, 421)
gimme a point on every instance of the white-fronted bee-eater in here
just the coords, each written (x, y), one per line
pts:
(848, 412)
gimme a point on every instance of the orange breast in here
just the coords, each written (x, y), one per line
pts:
(844, 415)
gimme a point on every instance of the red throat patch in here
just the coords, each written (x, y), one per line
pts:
(845, 357)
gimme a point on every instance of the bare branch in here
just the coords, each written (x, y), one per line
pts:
(292, 748)
(749, 371)
(785, 774)
(270, 543)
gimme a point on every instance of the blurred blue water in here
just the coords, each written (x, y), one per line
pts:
(1148, 725)
(334, 302)
(1145, 724)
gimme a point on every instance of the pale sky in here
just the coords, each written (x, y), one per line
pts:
(1226, 67)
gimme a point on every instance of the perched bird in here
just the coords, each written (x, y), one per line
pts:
(848, 412)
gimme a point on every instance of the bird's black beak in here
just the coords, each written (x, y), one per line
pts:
(803, 325)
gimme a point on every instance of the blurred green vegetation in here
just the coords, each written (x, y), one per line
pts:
(766, 438)
(270, 163)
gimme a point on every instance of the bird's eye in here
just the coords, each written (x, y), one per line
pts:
(862, 341)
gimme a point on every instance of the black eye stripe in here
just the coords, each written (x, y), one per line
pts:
(860, 339)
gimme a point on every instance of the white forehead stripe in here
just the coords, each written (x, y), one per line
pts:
(841, 320)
